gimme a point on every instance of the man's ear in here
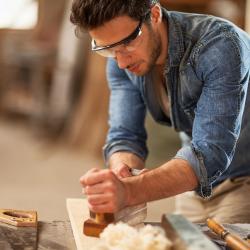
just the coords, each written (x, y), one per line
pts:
(156, 14)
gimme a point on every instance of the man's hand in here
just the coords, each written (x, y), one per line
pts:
(105, 191)
(122, 171)
(121, 163)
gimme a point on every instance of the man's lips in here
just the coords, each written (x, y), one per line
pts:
(134, 67)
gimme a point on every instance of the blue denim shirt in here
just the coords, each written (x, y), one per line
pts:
(207, 74)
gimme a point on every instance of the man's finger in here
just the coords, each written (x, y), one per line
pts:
(91, 178)
(98, 199)
(122, 171)
(94, 189)
(107, 207)
(92, 170)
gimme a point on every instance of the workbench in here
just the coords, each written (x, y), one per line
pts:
(78, 213)
(57, 235)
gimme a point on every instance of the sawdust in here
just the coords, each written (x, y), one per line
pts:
(124, 237)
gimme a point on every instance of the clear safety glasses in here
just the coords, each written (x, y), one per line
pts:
(128, 44)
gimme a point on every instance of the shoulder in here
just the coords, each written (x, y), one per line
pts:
(201, 30)
(224, 50)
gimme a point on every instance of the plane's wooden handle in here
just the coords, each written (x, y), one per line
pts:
(99, 218)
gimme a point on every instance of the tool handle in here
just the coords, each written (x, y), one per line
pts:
(233, 241)
(99, 218)
(236, 243)
(216, 227)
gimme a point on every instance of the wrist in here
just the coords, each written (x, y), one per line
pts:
(128, 192)
(134, 187)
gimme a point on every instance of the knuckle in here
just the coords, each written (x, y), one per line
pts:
(85, 180)
(82, 180)
(94, 170)
(91, 200)
(108, 173)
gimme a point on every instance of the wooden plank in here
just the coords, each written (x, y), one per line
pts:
(247, 25)
(78, 212)
(179, 2)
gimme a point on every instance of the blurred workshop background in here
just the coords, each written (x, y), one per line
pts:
(54, 101)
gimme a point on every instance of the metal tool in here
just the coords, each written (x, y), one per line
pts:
(185, 235)
(233, 241)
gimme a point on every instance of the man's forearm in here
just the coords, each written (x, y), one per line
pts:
(172, 178)
(109, 190)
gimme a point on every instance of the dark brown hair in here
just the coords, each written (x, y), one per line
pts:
(90, 14)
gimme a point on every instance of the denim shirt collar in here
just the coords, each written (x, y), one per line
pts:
(175, 41)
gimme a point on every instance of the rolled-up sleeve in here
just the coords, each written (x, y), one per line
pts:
(220, 64)
(126, 115)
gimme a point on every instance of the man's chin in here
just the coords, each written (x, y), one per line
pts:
(138, 73)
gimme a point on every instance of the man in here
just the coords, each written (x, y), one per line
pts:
(191, 72)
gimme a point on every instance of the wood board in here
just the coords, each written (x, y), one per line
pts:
(78, 212)
(247, 24)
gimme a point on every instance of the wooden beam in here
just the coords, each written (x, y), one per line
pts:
(247, 21)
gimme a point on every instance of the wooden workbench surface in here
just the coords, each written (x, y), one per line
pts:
(78, 213)
(56, 235)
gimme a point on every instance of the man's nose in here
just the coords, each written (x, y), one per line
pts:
(122, 60)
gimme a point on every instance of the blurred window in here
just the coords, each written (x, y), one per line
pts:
(18, 14)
